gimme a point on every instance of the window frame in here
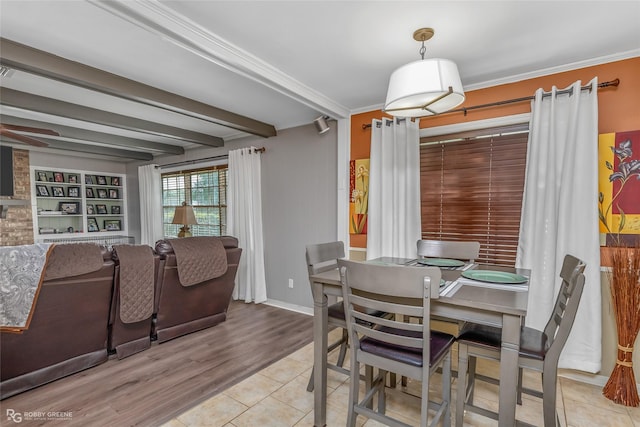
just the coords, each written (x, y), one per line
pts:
(212, 228)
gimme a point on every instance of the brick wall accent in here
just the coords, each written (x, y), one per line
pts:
(17, 228)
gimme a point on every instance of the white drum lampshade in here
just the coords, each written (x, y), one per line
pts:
(423, 88)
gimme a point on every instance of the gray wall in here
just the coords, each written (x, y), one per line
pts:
(299, 202)
(299, 188)
(65, 160)
(299, 206)
(133, 201)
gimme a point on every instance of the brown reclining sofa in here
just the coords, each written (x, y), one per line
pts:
(89, 307)
(195, 285)
(68, 329)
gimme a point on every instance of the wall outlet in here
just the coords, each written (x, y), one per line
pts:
(291, 283)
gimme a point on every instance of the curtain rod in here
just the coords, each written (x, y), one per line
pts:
(220, 157)
(397, 119)
(464, 110)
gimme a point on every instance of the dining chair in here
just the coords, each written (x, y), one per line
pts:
(467, 251)
(410, 349)
(324, 257)
(460, 250)
(539, 350)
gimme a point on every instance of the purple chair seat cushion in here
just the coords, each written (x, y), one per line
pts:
(533, 343)
(440, 343)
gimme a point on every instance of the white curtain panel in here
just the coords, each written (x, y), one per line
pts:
(150, 188)
(394, 189)
(560, 215)
(244, 221)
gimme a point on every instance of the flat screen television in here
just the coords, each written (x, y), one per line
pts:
(6, 171)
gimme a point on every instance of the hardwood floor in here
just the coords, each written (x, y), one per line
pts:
(151, 387)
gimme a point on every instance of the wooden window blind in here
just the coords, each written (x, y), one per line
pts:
(471, 189)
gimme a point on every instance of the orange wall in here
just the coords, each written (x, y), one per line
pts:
(619, 107)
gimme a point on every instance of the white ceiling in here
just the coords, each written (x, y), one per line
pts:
(286, 62)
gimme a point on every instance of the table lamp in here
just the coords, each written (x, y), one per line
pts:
(184, 215)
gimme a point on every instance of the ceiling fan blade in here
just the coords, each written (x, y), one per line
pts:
(29, 129)
(22, 138)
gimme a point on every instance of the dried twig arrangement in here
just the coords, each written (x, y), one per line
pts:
(624, 279)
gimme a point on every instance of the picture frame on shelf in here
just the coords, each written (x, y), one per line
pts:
(57, 191)
(88, 179)
(92, 225)
(115, 180)
(42, 176)
(73, 192)
(72, 179)
(43, 191)
(102, 193)
(101, 209)
(115, 210)
(90, 210)
(58, 177)
(89, 193)
(101, 180)
(70, 208)
(113, 194)
(112, 225)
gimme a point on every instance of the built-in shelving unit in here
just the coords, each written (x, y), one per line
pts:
(77, 203)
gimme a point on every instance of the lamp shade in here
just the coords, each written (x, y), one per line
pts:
(184, 215)
(414, 86)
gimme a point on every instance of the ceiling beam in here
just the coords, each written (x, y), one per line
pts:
(92, 149)
(160, 19)
(41, 104)
(93, 136)
(24, 58)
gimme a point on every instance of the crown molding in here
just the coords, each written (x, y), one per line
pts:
(555, 70)
(531, 75)
(160, 19)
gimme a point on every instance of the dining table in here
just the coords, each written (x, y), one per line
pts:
(460, 299)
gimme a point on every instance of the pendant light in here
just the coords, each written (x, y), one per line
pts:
(425, 87)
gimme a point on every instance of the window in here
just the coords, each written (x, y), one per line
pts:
(471, 189)
(204, 189)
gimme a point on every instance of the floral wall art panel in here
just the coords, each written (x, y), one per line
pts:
(619, 185)
(359, 190)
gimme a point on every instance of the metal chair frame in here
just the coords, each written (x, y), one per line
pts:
(393, 345)
(462, 250)
(324, 257)
(555, 334)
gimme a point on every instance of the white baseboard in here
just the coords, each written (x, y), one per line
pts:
(291, 307)
(593, 379)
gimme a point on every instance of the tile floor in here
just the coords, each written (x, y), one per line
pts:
(277, 397)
